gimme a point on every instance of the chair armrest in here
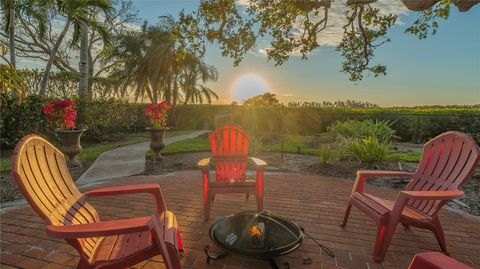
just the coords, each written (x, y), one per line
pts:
(432, 195)
(103, 228)
(153, 189)
(258, 162)
(203, 164)
(362, 176)
(378, 173)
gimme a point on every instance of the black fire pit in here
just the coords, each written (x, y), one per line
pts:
(255, 235)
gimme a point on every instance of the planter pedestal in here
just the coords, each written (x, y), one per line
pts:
(157, 143)
(71, 145)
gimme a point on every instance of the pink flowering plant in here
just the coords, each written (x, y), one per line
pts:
(157, 114)
(62, 113)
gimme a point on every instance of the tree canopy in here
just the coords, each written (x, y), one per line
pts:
(296, 26)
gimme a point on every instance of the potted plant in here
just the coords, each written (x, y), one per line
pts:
(63, 115)
(157, 115)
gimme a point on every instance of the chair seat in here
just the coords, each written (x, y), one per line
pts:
(233, 183)
(382, 207)
(120, 246)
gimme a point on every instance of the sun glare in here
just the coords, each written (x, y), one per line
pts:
(248, 86)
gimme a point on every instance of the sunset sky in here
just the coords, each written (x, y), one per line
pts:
(443, 69)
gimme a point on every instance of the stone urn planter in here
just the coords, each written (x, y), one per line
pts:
(157, 143)
(71, 144)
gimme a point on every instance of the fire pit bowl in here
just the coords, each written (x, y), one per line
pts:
(260, 235)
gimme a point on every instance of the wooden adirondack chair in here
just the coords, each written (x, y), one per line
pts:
(229, 146)
(42, 176)
(447, 161)
(435, 260)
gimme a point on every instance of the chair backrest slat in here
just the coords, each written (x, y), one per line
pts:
(229, 146)
(447, 161)
(42, 176)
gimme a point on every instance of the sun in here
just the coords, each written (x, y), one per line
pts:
(248, 86)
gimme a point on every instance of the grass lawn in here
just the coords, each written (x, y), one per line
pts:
(91, 152)
(291, 144)
(196, 144)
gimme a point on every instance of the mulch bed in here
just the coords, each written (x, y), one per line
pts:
(9, 191)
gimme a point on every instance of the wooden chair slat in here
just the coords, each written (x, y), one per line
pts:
(229, 146)
(42, 176)
(447, 162)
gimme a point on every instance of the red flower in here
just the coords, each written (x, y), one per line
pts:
(157, 113)
(62, 113)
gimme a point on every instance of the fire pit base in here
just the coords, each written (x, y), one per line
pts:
(259, 235)
(224, 254)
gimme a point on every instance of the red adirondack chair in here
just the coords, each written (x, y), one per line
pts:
(229, 146)
(435, 260)
(447, 161)
(42, 176)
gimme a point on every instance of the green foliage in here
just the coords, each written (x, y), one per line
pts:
(427, 22)
(19, 119)
(292, 144)
(327, 155)
(5, 165)
(265, 100)
(109, 119)
(367, 150)
(404, 156)
(10, 79)
(365, 30)
(104, 119)
(354, 129)
(294, 27)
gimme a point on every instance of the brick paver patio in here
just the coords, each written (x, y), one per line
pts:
(317, 203)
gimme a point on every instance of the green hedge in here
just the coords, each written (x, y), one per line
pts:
(108, 119)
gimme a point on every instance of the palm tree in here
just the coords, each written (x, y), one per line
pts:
(83, 63)
(196, 70)
(147, 62)
(77, 12)
(14, 8)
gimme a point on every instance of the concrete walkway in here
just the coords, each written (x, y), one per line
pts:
(124, 161)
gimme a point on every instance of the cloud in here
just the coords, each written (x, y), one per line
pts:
(332, 35)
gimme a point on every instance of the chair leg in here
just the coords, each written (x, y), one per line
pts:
(170, 258)
(438, 231)
(382, 242)
(207, 204)
(174, 256)
(179, 241)
(259, 197)
(347, 214)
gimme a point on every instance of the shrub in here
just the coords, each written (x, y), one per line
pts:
(367, 150)
(327, 155)
(354, 129)
(109, 119)
(19, 119)
(105, 120)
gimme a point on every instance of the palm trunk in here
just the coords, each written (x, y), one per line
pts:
(11, 32)
(174, 103)
(53, 53)
(90, 71)
(83, 64)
